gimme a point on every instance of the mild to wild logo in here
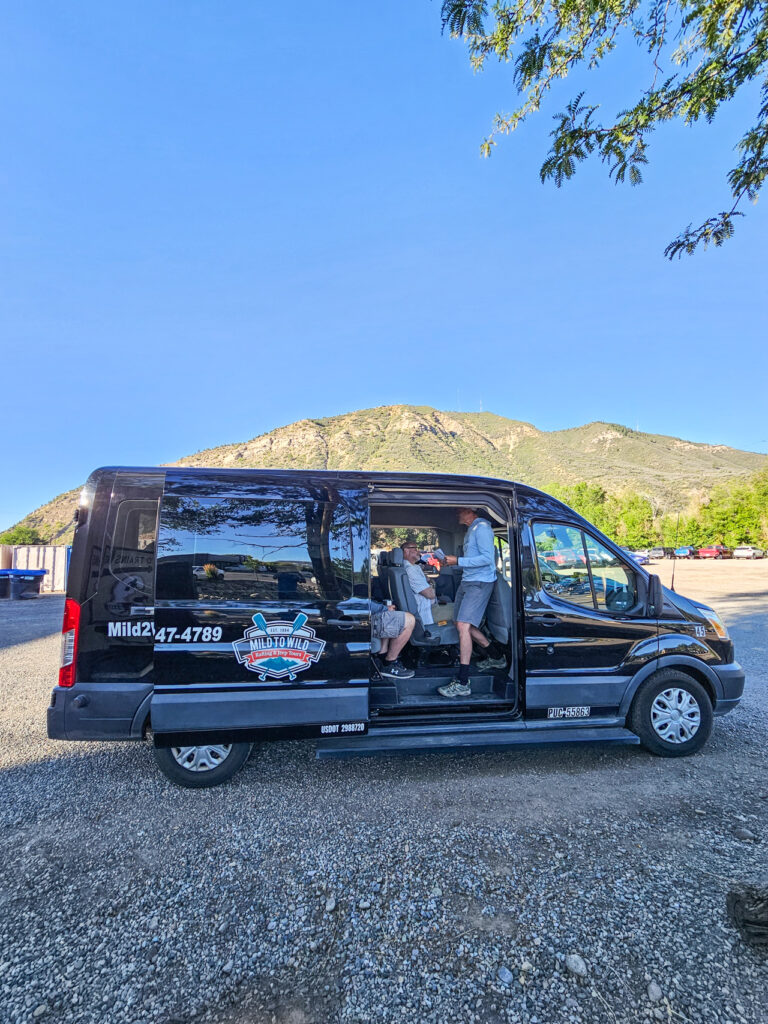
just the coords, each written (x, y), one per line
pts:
(278, 650)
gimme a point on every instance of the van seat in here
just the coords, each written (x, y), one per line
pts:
(498, 614)
(404, 600)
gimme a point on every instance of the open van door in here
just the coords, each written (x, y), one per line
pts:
(262, 619)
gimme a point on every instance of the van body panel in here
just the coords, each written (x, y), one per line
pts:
(96, 711)
(229, 709)
(686, 644)
(263, 584)
(601, 694)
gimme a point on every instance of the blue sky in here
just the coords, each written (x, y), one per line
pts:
(213, 223)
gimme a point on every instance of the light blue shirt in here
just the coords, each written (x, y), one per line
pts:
(479, 558)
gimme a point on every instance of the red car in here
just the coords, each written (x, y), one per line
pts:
(715, 551)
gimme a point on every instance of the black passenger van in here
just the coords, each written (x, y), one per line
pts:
(211, 608)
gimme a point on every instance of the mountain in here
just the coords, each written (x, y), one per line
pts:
(673, 472)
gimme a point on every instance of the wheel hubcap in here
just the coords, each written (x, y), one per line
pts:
(675, 715)
(202, 759)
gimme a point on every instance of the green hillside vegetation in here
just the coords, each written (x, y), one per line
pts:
(735, 513)
(631, 484)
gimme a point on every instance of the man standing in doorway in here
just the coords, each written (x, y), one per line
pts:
(478, 564)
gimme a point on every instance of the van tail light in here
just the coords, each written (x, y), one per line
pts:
(70, 629)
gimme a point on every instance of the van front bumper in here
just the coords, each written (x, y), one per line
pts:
(731, 678)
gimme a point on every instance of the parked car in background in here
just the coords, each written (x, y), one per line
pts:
(562, 558)
(662, 553)
(745, 551)
(638, 556)
(686, 552)
(715, 551)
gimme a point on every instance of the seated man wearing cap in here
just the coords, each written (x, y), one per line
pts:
(424, 594)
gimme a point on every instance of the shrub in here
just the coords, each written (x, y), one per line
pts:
(21, 535)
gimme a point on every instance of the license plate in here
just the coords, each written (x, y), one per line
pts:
(571, 712)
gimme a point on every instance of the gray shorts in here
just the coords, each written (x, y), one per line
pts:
(388, 624)
(471, 601)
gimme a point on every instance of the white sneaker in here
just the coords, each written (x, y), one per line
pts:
(454, 689)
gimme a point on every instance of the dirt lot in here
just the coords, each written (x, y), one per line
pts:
(431, 888)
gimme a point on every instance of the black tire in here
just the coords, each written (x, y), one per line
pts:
(646, 711)
(170, 761)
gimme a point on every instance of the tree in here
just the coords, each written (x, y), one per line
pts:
(21, 535)
(700, 54)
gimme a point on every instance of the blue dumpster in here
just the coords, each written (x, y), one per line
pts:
(19, 584)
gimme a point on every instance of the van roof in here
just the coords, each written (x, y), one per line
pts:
(330, 475)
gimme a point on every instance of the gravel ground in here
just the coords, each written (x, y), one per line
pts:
(552, 885)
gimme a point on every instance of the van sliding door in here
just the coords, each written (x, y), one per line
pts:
(261, 611)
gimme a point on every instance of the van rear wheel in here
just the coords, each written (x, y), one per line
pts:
(198, 767)
(672, 714)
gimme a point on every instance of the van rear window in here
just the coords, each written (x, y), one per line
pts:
(245, 550)
(131, 559)
(134, 540)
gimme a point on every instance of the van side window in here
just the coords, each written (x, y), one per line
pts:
(562, 563)
(615, 586)
(246, 551)
(565, 556)
(132, 554)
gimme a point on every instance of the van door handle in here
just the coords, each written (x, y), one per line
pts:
(546, 619)
(342, 623)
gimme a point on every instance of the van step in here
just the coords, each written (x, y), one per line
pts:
(423, 700)
(380, 741)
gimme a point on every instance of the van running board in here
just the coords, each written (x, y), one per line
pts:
(381, 741)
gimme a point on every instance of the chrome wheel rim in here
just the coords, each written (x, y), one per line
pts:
(202, 759)
(675, 715)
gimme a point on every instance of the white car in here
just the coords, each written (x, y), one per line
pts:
(748, 552)
(200, 573)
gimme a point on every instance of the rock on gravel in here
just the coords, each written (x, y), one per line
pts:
(654, 992)
(576, 965)
(745, 834)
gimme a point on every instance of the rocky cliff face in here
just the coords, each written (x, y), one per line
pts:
(422, 439)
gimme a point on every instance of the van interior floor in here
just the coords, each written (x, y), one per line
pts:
(421, 692)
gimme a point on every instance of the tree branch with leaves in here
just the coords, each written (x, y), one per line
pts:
(700, 54)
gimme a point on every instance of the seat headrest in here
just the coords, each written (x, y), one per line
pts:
(396, 556)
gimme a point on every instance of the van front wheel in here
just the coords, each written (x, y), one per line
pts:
(671, 714)
(198, 767)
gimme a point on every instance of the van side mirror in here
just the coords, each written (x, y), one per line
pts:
(655, 596)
